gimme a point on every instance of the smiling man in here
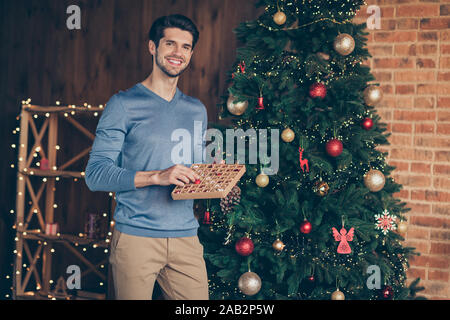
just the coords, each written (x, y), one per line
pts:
(155, 237)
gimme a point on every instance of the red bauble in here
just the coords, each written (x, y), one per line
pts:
(334, 147)
(244, 246)
(260, 103)
(305, 227)
(387, 293)
(317, 90)
(367, 124)
(207, 218)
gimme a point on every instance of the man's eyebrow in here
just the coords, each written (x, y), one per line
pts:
(173, 41)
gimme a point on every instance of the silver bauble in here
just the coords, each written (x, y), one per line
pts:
(373, 95)
(344, 44)
(237, 108)
(249, 283)
(374, 180)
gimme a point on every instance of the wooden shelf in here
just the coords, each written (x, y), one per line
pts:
(42, 244)
(52, 173)
(77, 240)
(59, 109)
(81, 295)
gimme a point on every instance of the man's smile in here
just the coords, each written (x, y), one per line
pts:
(174, 62)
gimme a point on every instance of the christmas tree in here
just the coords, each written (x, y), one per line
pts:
(325, 224)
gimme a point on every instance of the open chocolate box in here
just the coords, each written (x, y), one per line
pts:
(216, 181)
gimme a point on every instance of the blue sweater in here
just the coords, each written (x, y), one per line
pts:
(138, 132)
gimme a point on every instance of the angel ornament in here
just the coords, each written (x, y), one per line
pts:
(343, 237)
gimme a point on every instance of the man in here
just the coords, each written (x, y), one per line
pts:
(155, 237)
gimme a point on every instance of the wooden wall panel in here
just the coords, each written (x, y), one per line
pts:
(41, 59)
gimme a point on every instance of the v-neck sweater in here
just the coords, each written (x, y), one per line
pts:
(141, 131)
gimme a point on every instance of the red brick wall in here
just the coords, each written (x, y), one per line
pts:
(411, 61)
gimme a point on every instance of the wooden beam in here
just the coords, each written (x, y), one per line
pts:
(61, 109)
(76, 158)
(104, 262)
(38, 142)
(52, 173)
(50, 199)
(32, 268)
(86, 261)
(35, 200)
(20, 202)
(82, 129)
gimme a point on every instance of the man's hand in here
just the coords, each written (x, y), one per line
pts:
(177, 174)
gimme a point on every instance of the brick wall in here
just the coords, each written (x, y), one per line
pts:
(411, 61)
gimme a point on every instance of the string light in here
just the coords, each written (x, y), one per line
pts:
(32, 234)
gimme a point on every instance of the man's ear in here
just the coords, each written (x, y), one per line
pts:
(151, 47)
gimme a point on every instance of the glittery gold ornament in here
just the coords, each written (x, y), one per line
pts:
(402, 227)
(262, 180)
(287, 135)
(344, 44)
(374, 180)
(321, 188)
(372, 95)
(278, 245)
(249, 283)
(237, 108)
(337, 295)
(279, 18)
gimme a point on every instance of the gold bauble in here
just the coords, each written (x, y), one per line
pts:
(344, 44)
(249, 283)
(262, 180)
(287, 135)
(373, 95)
(402, 227)
(337, 295)
(321, 188)
(374, 180)
(278, 245)
(237, 108)
(279, 18)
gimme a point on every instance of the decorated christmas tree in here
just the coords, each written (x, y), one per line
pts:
(323, 223)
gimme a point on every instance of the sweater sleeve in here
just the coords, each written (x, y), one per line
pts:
(102, 171)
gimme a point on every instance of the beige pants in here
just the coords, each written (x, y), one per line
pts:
(176, 263)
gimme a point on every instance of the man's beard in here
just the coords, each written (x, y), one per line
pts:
(164, 69)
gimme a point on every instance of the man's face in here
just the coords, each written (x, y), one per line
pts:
(174, 51)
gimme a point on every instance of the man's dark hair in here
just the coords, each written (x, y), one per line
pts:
(173, 21)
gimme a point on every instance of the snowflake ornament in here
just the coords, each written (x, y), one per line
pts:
(385, 222)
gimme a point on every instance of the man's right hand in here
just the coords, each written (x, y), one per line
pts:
(178, 175)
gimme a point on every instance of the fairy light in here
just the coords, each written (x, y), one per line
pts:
(35, 154)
